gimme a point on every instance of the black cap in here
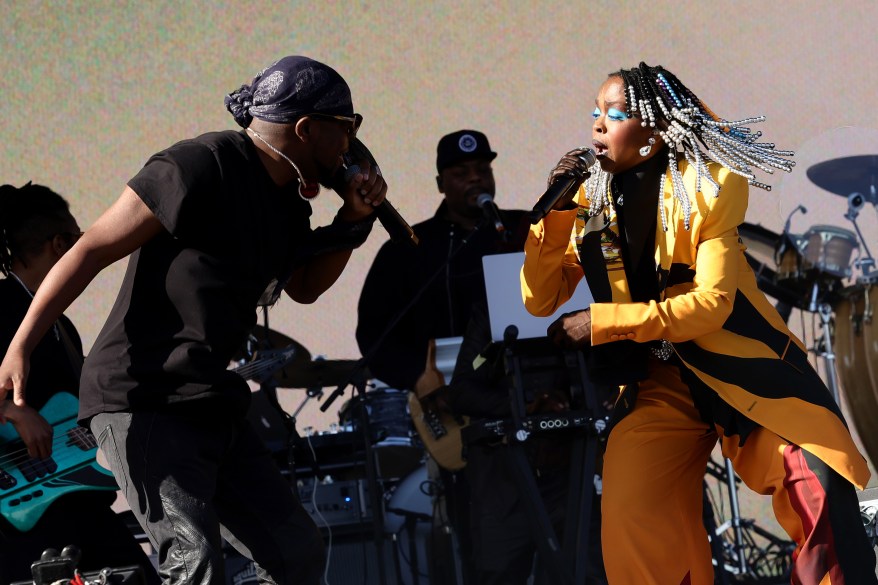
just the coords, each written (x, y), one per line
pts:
(462, 145)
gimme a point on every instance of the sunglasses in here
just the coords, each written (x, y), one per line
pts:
(354, 121)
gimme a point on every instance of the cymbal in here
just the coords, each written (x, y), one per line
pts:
(262, 339)
(850, 174)
(316, 373)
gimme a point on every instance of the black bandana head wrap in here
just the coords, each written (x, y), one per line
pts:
(289, 89)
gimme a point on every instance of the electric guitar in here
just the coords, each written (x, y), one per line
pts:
(28, 486)
(438, 427)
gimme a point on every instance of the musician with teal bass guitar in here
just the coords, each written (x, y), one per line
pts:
(52, 491)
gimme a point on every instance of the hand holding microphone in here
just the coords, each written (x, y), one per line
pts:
(397, 228)
(564, 180)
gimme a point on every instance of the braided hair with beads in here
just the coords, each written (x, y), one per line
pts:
(29, 216)
(692, 131)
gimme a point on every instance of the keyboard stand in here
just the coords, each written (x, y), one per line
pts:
(529, 363)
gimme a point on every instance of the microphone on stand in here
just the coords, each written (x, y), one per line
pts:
(489, 209)
(786, 226)
(785, 238)
(560, 187)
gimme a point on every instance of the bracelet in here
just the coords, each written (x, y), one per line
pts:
(354, 233)
(339, 235)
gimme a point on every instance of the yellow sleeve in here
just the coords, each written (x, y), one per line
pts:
(699, 308)
(551, 268)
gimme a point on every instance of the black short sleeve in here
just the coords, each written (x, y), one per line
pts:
(176, 184)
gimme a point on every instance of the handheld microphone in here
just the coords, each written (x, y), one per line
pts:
(490, 211)
(560, 187)
(397, 228)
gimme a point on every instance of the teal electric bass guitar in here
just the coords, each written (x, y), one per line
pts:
(28, 486)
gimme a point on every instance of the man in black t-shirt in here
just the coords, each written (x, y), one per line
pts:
(214, 225)
(437, 285)
(37, 229)
(442, 277)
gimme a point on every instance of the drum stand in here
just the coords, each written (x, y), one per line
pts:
(823, 345)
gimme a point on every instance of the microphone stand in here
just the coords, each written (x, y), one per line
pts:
(364, 361)
(358, 378)
(786, 239)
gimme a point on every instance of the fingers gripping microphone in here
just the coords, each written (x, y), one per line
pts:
(397, 228)
(490, 211)
(561, 187)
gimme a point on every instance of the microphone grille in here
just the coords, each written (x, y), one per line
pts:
(350, 172)
(588, 157)
(484, 198)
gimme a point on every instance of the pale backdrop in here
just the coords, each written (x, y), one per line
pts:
(89, 90)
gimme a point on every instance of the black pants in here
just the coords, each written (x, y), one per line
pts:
(192, 480)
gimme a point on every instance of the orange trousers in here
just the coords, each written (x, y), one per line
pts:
(653, 474)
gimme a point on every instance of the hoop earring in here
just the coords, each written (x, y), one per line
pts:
(645, 150)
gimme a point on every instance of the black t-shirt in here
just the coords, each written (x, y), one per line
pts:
(189, 295)
(51, 369)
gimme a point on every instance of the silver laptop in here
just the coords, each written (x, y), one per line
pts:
(505, 307)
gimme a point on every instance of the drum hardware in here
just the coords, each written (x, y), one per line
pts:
(823, 348)
(763, 248)
(866, 264)
(391, 433)
(262, 338)
(856, 178)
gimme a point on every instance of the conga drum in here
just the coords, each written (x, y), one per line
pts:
(828, 250)
(856, 350)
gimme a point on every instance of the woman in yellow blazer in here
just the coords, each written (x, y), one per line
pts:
(701, 352)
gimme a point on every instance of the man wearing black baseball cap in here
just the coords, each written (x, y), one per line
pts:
(442, 277)
(216, 226)
(453, 242)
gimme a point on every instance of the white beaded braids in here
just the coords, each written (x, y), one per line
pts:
(686, 124)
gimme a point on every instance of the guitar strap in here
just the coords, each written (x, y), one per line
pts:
(73, 354)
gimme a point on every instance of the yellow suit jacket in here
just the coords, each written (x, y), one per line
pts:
(720, 324)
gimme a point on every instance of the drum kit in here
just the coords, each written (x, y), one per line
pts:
(829, 271)
(372, 451)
